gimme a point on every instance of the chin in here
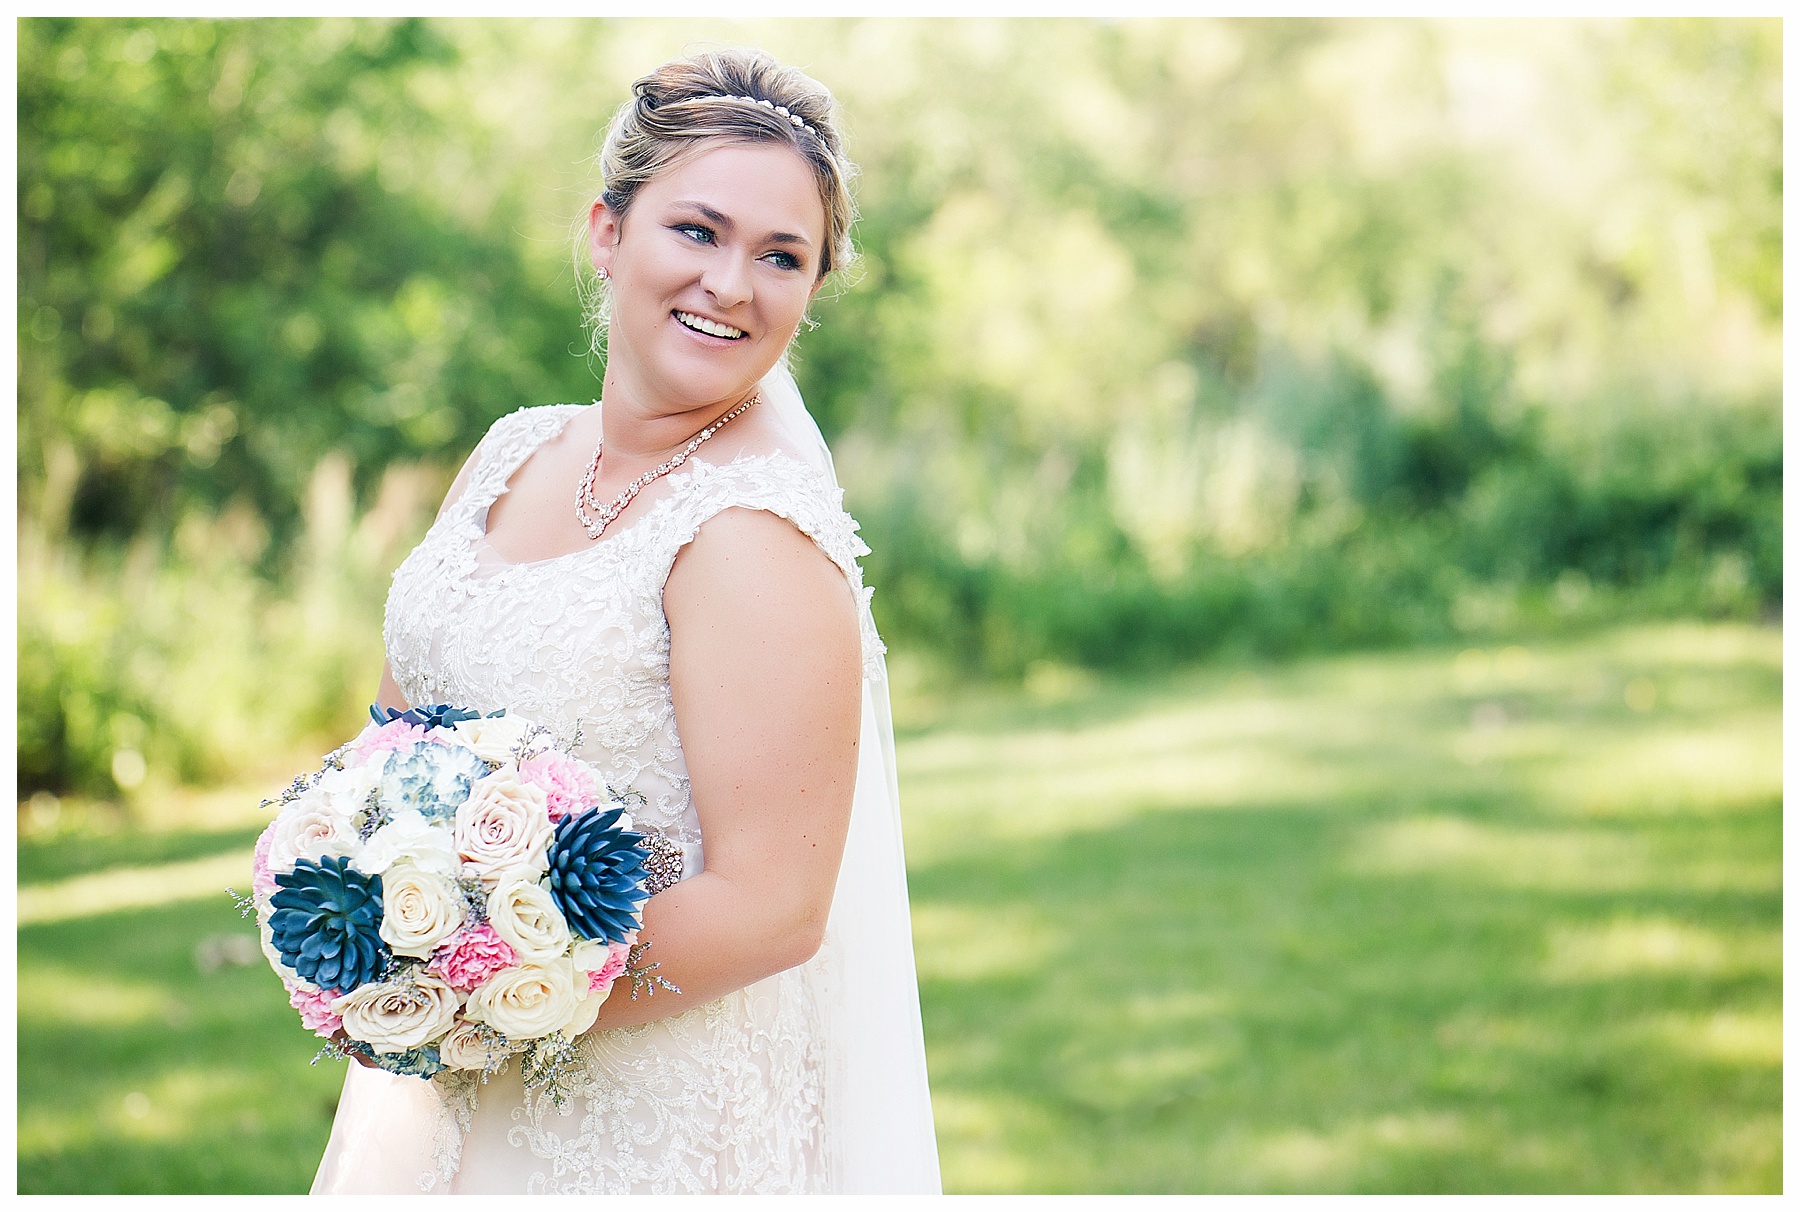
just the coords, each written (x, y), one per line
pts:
(712, 382)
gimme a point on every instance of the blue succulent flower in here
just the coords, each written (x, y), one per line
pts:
(434, 779)
(327, 923)
(596, 875)
(416, 1062)
(437, 715)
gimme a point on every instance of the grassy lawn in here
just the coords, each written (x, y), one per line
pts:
(1421, 921)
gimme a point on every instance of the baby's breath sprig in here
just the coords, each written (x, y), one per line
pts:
(246, 905)
(332, 1051)
(551, 1063)
(643, 976)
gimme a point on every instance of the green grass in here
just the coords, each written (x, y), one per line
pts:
(1417, 921)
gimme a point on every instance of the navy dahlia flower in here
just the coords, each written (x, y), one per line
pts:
(596, 875)
(437, 715)
(327, 921)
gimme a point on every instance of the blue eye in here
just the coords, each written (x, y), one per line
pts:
(695, 232)
(784, 260)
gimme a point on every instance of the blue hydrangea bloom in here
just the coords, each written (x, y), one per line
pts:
(327, 923)
(432, 778)
(596, 875)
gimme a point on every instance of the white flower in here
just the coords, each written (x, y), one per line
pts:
(587, 1008)
(465, 1048)
(589, 955)
(527, 1002)
(399, 1015)
(523, 913)
(493, 739)
(409, 838)
(346, 791)
(503, 826)
(310, 828)
(419, 910)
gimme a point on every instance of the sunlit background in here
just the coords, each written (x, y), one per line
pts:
(1324, 484)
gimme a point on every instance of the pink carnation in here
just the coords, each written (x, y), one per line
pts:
(380, 738)
(314, 1006)
(471, 956)
(601, 980)
(568, 785)
(262, 880)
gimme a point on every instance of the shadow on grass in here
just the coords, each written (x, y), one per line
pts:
(142, 1072)
(44, 859)
(1218, 1000)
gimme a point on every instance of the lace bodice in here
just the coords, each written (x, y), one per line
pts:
(725, 1097)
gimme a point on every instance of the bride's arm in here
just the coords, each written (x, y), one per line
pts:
(765, 667)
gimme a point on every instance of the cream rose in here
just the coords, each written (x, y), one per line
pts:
(466, 1048)
(523, 913)
(399, 1015)
(527, 1002)
(504, 826)
(419, 910)
(409, 838)
(493, 740)
(310, 829)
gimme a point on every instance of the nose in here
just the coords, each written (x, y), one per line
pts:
(727, 280)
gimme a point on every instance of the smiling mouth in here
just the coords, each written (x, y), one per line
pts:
(711, 328)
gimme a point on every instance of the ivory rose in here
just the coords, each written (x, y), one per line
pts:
(398, 1016)
(419, 910)
(527, 1001)
(466, 1048)
(310, 829)
(492, 738)
(503, 826)
(523, 913)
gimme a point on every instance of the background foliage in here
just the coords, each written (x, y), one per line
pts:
(1176, 349)
(1167, 337)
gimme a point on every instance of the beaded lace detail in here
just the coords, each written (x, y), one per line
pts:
(725, 1097)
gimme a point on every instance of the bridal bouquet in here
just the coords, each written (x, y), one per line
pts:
(450, 890)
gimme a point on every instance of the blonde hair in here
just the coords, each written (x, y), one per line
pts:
(735, 94)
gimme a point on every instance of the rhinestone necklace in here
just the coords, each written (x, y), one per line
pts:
(584, 494)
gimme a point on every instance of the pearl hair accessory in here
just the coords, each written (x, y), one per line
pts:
(799, 122)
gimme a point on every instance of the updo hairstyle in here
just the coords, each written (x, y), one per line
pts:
(702, 97)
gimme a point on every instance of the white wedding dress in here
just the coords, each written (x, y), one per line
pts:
(812, 1080)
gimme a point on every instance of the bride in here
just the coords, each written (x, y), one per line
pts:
(671, 573)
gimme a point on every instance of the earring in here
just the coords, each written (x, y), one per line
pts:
(604, 275)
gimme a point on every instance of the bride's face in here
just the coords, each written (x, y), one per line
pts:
(711, 269)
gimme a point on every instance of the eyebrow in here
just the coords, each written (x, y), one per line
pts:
(724, 221)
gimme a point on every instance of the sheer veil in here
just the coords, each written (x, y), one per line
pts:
(878, 1104)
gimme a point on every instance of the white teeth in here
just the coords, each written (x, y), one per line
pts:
(709, 327)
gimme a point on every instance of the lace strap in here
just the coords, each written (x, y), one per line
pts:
(790, 489)
(504, 449)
